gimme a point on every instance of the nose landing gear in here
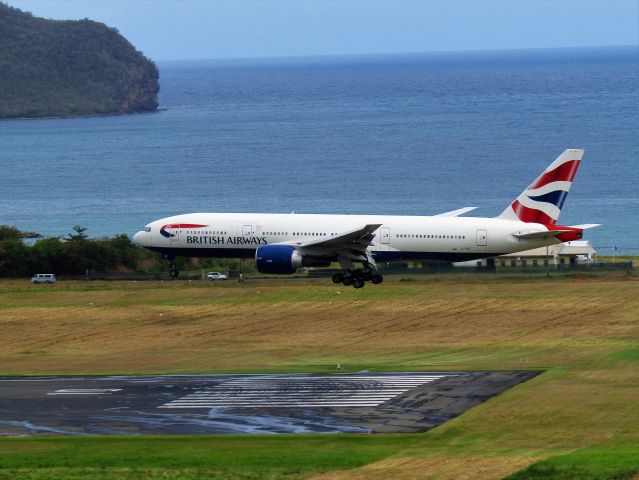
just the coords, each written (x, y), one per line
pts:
(173, 271)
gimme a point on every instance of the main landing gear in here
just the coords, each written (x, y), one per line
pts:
(358, 278)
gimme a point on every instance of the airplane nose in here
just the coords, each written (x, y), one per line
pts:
(137, 238)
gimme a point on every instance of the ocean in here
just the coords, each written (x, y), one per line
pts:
(411, 134)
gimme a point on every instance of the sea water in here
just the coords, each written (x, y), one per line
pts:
(399, 134)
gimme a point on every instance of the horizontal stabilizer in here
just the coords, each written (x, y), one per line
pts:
(564, 234)
(537, 234)
(455, 213)
(586, 226)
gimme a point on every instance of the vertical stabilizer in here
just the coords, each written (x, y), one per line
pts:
(541, 202)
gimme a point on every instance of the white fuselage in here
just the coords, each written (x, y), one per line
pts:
(398, 238)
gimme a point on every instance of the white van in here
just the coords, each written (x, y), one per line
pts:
(43, 278)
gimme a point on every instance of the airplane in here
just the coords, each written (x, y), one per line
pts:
(283, 243)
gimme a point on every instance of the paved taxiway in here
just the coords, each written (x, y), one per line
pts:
(296, 403)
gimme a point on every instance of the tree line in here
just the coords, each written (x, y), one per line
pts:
(76, 253)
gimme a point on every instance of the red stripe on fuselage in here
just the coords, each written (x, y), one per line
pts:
(184, 225)
(563, 173)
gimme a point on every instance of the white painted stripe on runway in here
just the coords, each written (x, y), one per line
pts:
(297, 392)
(338, 380)
(324, 379)
(300, 384)
(282, 398)
(282, 401)
(84, 391)
(342, 375)
(303, 391)
(296, 405)
(281, 404)
(290, 392)
(318, 384)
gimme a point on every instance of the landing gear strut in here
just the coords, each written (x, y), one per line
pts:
(173, 271)
(358, 277)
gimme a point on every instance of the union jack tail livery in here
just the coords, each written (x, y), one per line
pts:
(541, 202)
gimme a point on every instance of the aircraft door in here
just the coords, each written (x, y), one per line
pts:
(382, 239)
(385, 235)
(247, 230)
(482, 238)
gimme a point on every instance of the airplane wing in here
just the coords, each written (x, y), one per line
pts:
(347, 247)
(359, 239)
(455, 213)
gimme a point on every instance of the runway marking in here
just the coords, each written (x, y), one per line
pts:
(303, 391)
(85, 391)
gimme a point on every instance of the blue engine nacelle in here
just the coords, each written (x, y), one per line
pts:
(278, 259)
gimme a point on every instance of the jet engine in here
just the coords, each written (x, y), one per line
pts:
(278, 259)
(285, 259)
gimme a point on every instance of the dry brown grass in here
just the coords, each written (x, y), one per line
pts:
(155, 327)
(440, 467)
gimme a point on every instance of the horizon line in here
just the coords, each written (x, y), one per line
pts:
(391, 54)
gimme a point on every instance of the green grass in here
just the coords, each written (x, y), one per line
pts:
(630, 354)
(228, 456)
(593, 463)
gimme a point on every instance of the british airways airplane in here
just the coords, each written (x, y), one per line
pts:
(282, 243)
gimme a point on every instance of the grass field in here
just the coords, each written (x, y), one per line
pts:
(580, 419)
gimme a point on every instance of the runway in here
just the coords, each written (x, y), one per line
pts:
(282, 403)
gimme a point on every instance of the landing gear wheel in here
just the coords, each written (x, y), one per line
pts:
(338, 278)
(174, 273)
(358, 283)
(348, 280)
(376, 278)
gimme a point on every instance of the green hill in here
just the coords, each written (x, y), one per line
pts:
(65, 68)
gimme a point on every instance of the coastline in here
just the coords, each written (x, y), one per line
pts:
(88, 115)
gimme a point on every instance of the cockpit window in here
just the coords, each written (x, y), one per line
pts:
(147, 229)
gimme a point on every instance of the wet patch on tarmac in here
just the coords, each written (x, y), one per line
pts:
(214, 404)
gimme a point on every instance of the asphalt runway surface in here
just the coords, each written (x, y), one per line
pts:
(216, 404)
